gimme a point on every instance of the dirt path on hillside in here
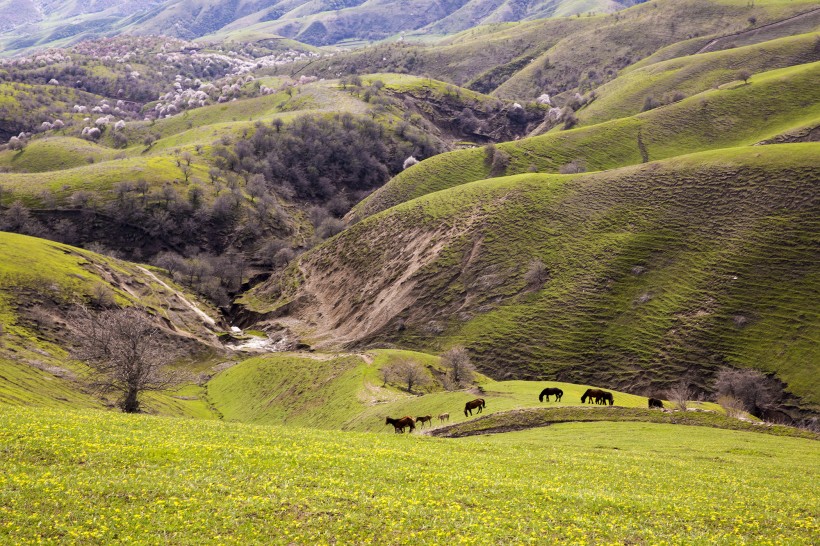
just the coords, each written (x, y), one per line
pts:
(192, 306)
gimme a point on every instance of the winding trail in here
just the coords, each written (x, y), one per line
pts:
(192, 306)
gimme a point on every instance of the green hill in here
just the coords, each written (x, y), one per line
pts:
(41, 280)
(735, 115)
(653, 272)
(564, 55)
(627, 95)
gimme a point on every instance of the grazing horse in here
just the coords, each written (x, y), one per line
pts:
(598, 396)
(401, 424)
(424, 419)
(655, 403)
(444, 417)
(473, 404)
(549, 391)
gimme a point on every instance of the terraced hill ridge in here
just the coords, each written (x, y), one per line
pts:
(738, 114)
(650, 272)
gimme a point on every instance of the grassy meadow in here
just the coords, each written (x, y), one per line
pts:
(89, 477)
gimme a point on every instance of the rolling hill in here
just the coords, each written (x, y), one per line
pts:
(667, 269)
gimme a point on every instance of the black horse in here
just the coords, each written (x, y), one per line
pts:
(546, 393)
(655, 403)
(598, 397)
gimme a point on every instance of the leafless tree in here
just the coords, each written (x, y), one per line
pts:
(126, 351)
(680, 395)
(754, 391)
(406, 372)
(460, 370)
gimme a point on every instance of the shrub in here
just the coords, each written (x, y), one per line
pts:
(680, 395)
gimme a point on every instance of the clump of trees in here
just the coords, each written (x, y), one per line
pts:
(324, 159)
(651, 102)
(406, 372)
(746, 390)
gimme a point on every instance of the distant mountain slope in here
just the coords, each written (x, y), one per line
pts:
(40, 23)
(565, 55)
(649, 273)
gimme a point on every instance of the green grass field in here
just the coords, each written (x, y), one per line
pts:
(93, 477)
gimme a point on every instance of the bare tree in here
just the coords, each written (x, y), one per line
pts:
(680, 395)
(754, 391)
(460, 370)
(127, 353)
(406, 372)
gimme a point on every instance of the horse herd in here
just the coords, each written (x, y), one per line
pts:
(410, 422)
(590, 396)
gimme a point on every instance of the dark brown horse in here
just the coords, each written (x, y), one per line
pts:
(424, 419)
(597, 396)
(550, 391)
(473, 404)
(655, 403)
(401, 424)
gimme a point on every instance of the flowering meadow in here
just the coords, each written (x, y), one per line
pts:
(91, 477)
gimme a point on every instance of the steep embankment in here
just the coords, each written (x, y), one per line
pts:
(523, 419)
(40, 282)
(736, 115)
(649, 273)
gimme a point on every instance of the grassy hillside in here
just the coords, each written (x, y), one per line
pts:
(627, 94)
(567, 54)
(86, 476)
(347, 391)
(652, 273)
(40, 281)
(595, 55)
(735, 115)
